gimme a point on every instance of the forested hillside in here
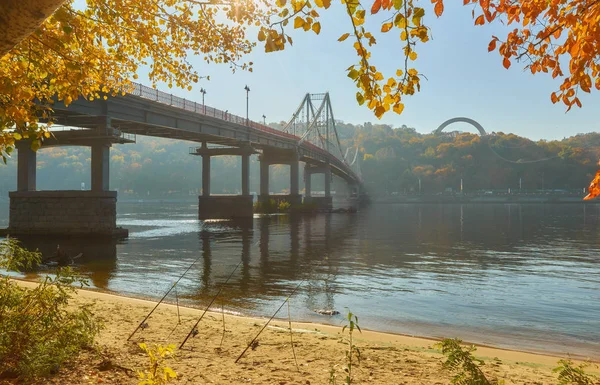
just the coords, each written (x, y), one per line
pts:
(391, 160)
(395, 159)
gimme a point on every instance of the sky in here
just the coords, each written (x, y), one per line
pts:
(463, 79)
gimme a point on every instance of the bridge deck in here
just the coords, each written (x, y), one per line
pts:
(149, 112)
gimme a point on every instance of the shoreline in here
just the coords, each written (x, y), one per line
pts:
(377, 334)
(210, 356)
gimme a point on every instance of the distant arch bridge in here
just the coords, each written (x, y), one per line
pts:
(472, 122)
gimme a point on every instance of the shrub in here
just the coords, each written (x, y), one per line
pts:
(352, 353)
(573, 375)
(157, 373)
(284, 206)
(39, 332)
(462, 361)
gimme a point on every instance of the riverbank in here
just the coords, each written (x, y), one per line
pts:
(484, 199)
(386, 358)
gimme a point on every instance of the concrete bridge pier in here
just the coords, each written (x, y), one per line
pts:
(321, 202)
(66, 212)
(268, 159)
(224, 206)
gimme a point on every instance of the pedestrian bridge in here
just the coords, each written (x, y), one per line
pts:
(310, 136)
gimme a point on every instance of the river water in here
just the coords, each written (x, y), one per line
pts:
(514, 276)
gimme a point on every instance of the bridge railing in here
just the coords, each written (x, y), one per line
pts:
(188, 105)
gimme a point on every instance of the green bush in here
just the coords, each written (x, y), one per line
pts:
(39, 331)
(284, 206)
(464, 363)
(271, 206)
(573, 375)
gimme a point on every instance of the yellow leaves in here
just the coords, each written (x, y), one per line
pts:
(316, 27)
(412, 55)
(17, 136)
(298, 22)
(323, 3)
(386, 27)
(398, 4)
(359, 17)
(344, 37)
(400, 21)
(360, 98)
(261, 35)
(417, 16)
(297, 5)
(280, 3)
(398, 108)
(353, 74)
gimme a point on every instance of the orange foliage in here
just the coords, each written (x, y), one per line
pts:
(594, 189)
(545, 32)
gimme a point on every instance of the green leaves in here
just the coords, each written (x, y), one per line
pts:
(462, 361)
(40, 331)
(569, 374)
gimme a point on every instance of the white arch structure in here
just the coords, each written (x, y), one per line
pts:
(464, 120)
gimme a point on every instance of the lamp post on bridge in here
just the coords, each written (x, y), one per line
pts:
(247, 97)
(264, 120)
(203, 92)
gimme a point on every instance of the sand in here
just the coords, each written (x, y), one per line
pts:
(385, 358)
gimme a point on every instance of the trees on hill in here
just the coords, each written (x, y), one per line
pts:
(93, 52)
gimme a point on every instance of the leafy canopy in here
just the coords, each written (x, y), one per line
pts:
(94, 51)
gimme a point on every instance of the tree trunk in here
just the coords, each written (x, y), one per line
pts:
(19, 18)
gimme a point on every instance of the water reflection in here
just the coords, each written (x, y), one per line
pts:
(97, 257)
(482, 272)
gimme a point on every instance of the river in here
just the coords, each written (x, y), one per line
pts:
(508, 275)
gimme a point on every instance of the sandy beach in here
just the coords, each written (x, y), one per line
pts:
(386, 358)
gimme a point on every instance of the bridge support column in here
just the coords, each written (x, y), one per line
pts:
(307, 181)
(264, 181)
(291, 159)
(327, 182)
(67, 212)
(246, 175)
(205, 173)
(320, 202)
(224, 206)
(100, 166)
(294, 183)
(26, 164)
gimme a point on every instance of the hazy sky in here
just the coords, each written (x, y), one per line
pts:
(463, 80)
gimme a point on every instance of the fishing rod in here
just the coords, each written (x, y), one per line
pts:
(141, 325)
(163, 298)
(178, 314)
(209, 305)
(270, 319)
